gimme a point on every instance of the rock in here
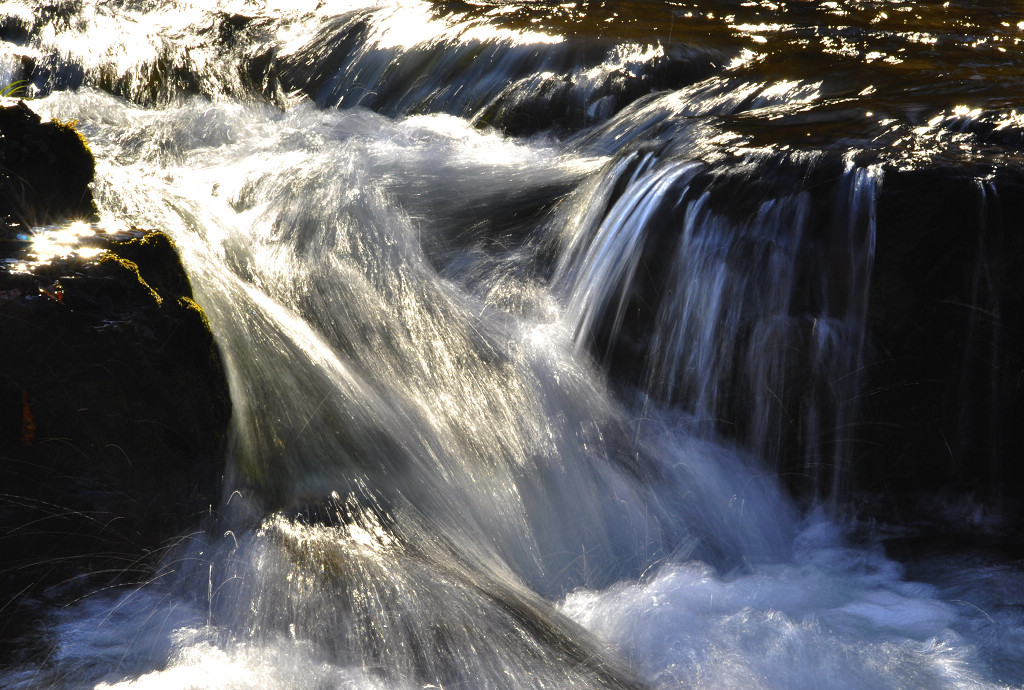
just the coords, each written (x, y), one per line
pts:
(114, 408)
(45, 171)
(944, 394)
(114, 405)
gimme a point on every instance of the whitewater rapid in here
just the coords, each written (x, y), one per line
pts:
(433, 480)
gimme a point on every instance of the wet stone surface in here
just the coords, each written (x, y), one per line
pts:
(113, 400)
(113, 408)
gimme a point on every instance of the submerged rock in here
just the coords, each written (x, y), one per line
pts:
(113, 400)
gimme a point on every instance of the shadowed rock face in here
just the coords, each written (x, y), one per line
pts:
(113, 402)
(944, 386)
(45, 170)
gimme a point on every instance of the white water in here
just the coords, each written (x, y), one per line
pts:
(405, 359)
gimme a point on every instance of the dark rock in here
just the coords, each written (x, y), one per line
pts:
(113, 401)
(114, 407)
(45, 170)
(14, 29)
(945, 388)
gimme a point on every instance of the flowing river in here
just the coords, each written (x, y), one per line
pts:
(548, 329)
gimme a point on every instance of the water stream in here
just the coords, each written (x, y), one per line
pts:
(531, 315)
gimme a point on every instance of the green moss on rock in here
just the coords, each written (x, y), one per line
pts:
(124, 275)
(157, 257)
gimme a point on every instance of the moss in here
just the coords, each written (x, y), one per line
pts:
(188, 304)
(157, 258)
(70, 127)
(193, 333)
(126, 273)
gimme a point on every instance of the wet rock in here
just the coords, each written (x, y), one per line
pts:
(113, 400)
(45, 171)
(113, 409)
(945, 391)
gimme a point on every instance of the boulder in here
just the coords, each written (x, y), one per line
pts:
(114, 405)
(45, 171)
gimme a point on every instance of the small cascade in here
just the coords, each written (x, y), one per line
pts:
(402, 59)
(602, 261)
(414, 59)
(751, 317)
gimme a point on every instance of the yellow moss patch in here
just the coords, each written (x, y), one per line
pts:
(119, 267)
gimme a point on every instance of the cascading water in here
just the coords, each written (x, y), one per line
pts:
(741, 319)
(522, 330)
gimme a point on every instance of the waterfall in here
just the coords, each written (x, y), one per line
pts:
(562, 342)
(762, 319)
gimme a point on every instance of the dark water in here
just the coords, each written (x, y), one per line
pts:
(572, 345)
